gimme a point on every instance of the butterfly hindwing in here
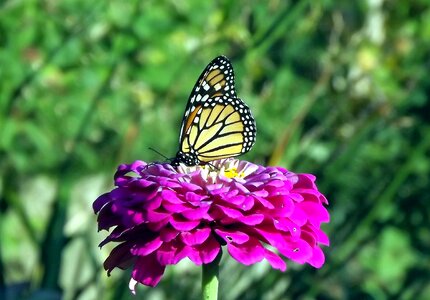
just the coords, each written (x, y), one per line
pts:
(216, 123)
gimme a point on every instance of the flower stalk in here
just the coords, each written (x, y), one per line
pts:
(210, 274)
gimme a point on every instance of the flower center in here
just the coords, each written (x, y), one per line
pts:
(232, 172)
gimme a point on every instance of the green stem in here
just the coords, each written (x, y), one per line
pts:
(210, 273)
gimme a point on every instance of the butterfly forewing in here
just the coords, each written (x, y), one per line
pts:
(216, 123)
(217, 79)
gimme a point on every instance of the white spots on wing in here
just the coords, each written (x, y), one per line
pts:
(217, 87)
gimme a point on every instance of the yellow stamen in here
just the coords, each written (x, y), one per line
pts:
(232, 172)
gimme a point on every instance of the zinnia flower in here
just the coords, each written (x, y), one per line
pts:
(162, 215)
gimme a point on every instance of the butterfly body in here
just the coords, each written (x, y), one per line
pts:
(216, 124)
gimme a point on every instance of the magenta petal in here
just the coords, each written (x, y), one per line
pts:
(236, 237)
(252, 219)
(205, 253)
(181, 224)
(260, 193)
(283, 206)
(196, 213)
(267, 204)
(230, 212)
(146, 248)
(287, 225)
(101, 201)
(237, 200)
(272, 236)
(247, 253)
(148, 270)
(315, 212)
(195, 237)
(298, 251)
(298, 216)
(167, 234)
(194, 198)
(171, 253)
(153, 200)
(322, 237)
(275, 261)
(120, 257)
(317, 259)
(190, 186)
(171, 197)
(175, 208)
(155, 216)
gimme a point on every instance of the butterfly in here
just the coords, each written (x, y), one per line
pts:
(216, 124)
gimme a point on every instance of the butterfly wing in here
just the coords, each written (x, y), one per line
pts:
(216, 123)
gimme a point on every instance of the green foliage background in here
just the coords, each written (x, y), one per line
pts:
(338, 88)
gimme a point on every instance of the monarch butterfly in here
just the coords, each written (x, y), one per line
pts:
(216, 124)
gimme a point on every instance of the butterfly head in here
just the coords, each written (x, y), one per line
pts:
(189, 159)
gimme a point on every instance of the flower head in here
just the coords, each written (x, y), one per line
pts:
(162, 215)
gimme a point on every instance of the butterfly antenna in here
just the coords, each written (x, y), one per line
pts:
(161, 154)
(209, 164)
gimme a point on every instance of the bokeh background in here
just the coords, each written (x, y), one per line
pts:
(338, 88)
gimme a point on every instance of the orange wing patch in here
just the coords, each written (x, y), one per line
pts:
(190, 119)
